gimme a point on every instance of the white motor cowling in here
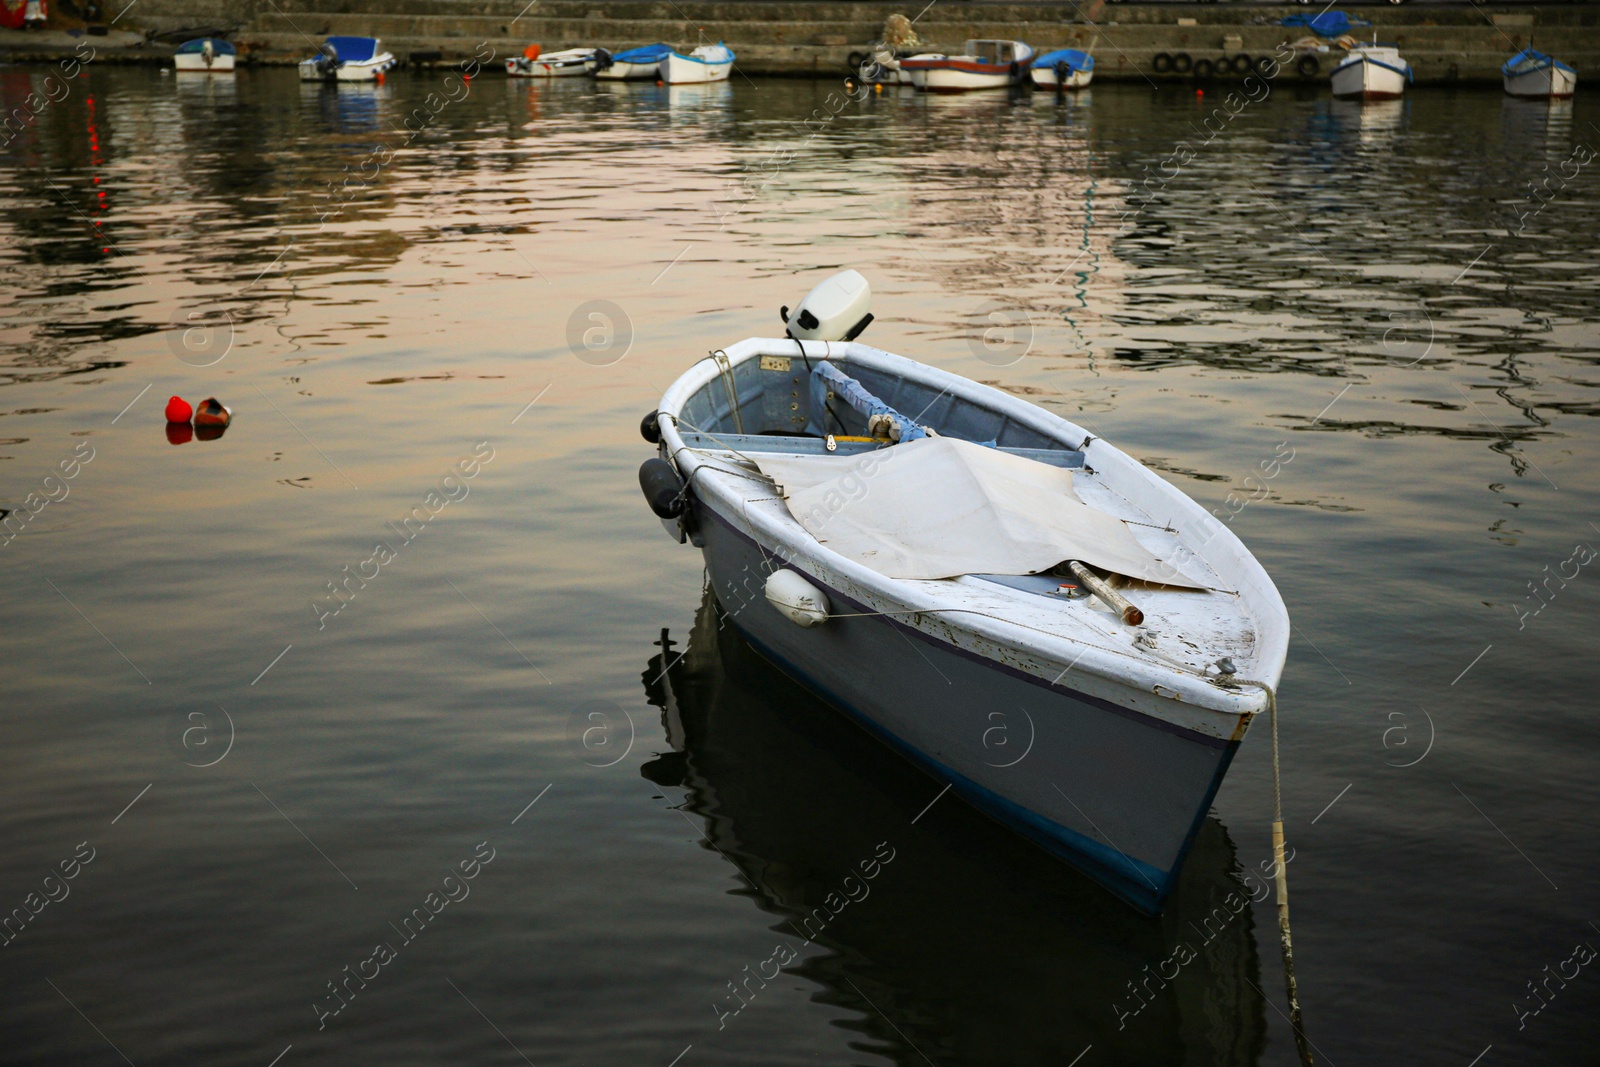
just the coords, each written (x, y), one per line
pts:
(836, 310)
(797, 599)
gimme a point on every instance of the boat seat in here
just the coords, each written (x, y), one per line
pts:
(817, 446)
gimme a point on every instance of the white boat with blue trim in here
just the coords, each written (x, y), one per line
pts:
(1064, 68)
(635, 64)
(708, 63)
(1534, 74)
(347, 59)
(1371, 72)
(1032, 616)
(205, 55)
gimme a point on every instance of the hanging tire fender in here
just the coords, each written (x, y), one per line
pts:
(1181, 63)
(1308, 66)
(1161, 63)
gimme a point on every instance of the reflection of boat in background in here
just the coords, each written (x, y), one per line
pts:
(971, 941)
(1550, 121)
(1375, 122)
(712, 98)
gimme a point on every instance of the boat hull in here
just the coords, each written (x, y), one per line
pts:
(1549, 82)
(1045, 78)
(519, 67)
(1116, 793)
(364, 71)
(1368, 79)
(624, 71)
(956, 76)
(682, 70)
(195, 63)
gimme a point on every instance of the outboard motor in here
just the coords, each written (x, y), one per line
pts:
(602, 61)
(836, 310)
(327, 59)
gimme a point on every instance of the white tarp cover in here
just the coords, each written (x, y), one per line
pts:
(939, 507)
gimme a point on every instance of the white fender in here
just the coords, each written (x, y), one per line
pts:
(800, 602)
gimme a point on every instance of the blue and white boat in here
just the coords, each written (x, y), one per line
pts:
(708, 63)
(347, 59)
(205, 55)
(1065, 68)
(635, 64)
(1534, 74)
(1371, 72)
(930, 576)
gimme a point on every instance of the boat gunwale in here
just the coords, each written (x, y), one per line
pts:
(1258, 598)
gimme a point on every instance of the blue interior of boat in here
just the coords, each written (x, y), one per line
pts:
(773, 396)
(354, 49)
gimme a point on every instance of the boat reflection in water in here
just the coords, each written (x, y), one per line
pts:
(978, 946)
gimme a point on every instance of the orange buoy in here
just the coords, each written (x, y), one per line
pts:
(212, 413)
(178, 410)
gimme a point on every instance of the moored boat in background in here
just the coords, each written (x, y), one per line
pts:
(205, 55)
(1534, 74)
(929, 579)
(347, 59)
(708, 63)
(984, 64)
(1064, 68)
(1371, 72)
(635, 64)
(567, 63)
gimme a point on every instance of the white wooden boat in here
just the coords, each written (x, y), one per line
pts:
(1371, 72)
(567, 63)
(348, 59)
(825, 518)
(636, 64)
(708, 63)
(984, 64)
(1064, 68)
(1534, 74)
(205, 55)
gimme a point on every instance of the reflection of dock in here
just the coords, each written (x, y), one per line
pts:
(970, 940)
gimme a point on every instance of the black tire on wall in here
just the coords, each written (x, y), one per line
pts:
(1181, 63)
(1243, 64)
(1203, 69)
(1308, 66)
(1161, 63)
(1264, 66)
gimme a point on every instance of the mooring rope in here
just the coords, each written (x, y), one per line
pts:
(1300, 1041)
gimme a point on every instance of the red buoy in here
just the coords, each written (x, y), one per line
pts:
(178, 410)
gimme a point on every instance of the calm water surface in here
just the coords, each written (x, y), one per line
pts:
(1375, 287)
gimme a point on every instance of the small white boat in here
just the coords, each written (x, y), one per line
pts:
(205, 55)
(985, 64)
(636, 64)
(1065, 68)
(1534, 74)
(708, 63)
(568, 63)
(1371, 72)
(347, 59)
(931, 577)
(879, 67)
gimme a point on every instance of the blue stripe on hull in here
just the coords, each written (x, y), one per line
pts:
(1143, 885)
